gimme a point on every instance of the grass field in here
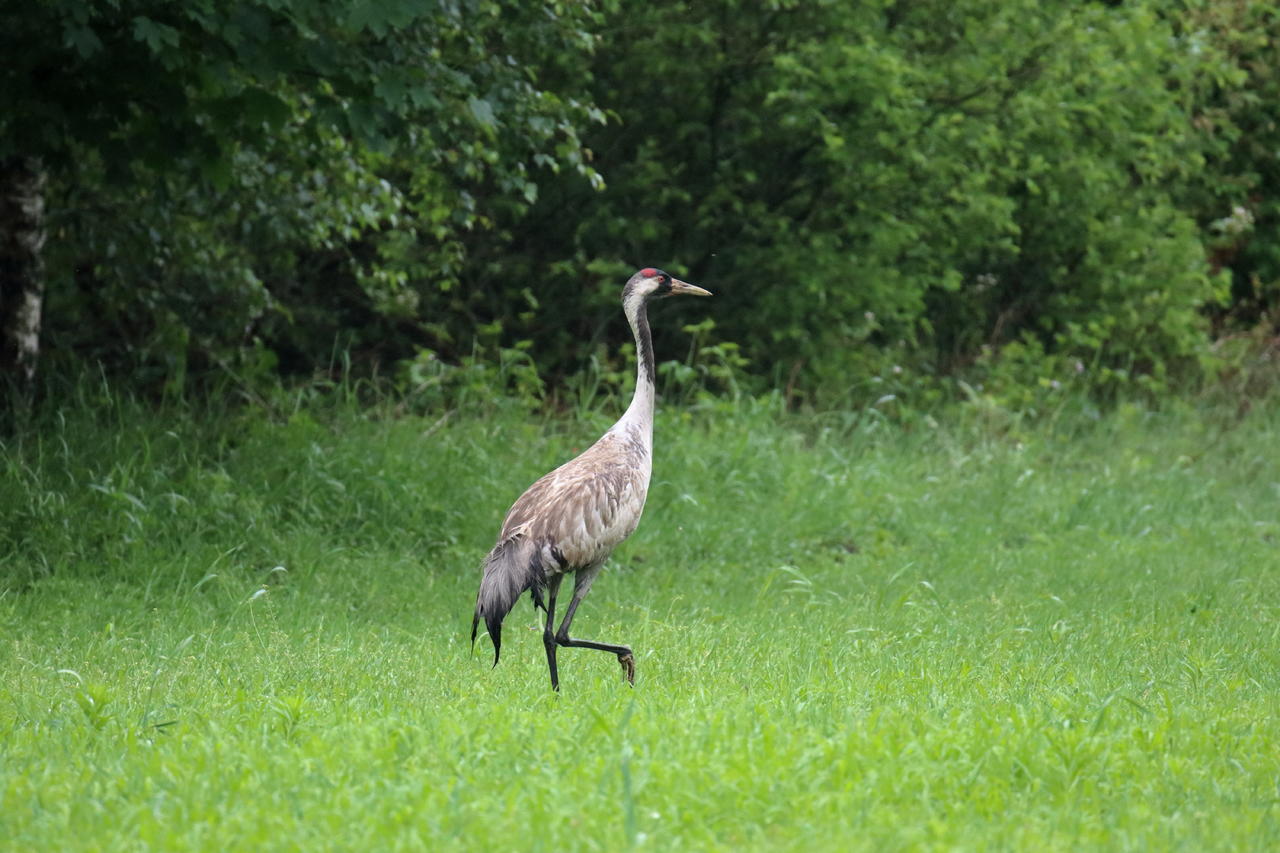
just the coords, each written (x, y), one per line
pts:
(234, 631)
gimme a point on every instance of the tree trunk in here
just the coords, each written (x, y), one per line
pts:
(22, 237)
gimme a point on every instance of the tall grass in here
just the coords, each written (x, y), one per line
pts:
(233, 629)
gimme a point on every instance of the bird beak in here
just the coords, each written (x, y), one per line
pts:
(684, 288)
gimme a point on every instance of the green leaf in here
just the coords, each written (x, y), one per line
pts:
(155, 35)
(262, 107)
(482, 110)
(84, 40)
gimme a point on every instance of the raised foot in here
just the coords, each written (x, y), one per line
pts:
(628, 667)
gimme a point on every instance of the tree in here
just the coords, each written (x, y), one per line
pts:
(174, 133)
(874, 184)
(21, 266)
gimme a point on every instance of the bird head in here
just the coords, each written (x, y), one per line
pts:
(651, 283)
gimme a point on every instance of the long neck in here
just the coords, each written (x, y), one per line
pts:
(641, 409)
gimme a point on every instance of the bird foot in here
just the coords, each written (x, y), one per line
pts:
(628, 667)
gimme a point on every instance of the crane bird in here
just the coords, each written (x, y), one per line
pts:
(570, 520)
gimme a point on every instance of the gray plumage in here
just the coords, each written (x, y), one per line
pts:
(570, 520)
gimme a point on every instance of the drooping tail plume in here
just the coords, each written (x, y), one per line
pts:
(511, 568)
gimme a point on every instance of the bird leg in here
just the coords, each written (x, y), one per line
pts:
(625, 658)
(549, 640)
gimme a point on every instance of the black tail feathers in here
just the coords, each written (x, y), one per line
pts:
(511, 568)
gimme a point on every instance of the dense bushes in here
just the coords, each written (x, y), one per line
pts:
(912, 185)
(234, 182)
(1022, 194)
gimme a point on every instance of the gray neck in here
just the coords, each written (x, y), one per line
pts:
(641, 408)
(644, 348)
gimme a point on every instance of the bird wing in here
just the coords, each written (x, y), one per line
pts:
(584, 508)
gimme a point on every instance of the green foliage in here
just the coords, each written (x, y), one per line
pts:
(93, 700)
(906, 185)
(287, 173)
(1017, 195)
(1237, 201)
(711, 375)
(850, 635)
(479, 382)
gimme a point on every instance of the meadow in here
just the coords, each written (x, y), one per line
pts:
(247, 629)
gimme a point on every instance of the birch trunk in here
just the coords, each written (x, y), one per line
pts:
(22, 236)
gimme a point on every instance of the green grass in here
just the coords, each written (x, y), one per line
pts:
(849, 635)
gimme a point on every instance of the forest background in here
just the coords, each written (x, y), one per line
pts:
(926, 201)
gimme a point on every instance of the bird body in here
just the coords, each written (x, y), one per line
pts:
(570, 520)
(587, 506)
